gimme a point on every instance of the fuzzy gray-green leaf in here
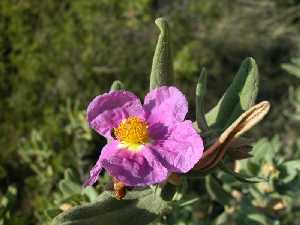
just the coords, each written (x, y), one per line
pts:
(69, 185)
(162, 65)
(117, 85)
(239, 96)
(200, 93)
(107, 210)
(291, 170)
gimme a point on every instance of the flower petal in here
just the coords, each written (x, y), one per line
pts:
(94, 174)
(182, 149)
(165, 105)
(108, 110)
(132, 168)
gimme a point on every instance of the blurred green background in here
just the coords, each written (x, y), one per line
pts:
(55, 56)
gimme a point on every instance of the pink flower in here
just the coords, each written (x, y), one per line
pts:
(146, 143)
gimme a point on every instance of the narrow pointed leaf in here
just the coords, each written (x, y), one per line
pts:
(238, 176)
(292, 69)
(200, 93)
(162, 65)
(239, 96)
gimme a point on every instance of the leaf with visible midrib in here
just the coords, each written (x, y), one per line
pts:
(239, 96)
(200, 93)
(162, 65)
(109, 211)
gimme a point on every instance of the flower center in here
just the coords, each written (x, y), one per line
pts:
(132, 131)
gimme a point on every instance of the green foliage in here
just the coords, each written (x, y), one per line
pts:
(200, 93)
(69, 194)
(162, 66)
(108, 210)
(216, 191)
(117, 85)
(266, 202)
(7, 203)
(239, 96)
(293, 67)
(55, 56)
(240, 177)
(139, 210)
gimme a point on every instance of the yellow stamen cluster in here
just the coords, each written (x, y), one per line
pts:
(133, 130)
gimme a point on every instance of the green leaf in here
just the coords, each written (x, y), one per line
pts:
(294, 70)
(117, 85)
(69, 185)
(69, 188)
(238, 176)
(239, 96)
(50, 213)
(276, 144)
(260, 219)
(265, 150)
(71, 176)
(138, 207)
(200, 93)
(216, 191)
(91, 193)
(293, 67)
(293, 164)
(291, 170)
(262, 151)
(162, 65)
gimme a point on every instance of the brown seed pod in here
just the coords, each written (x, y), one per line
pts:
(246, 121)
